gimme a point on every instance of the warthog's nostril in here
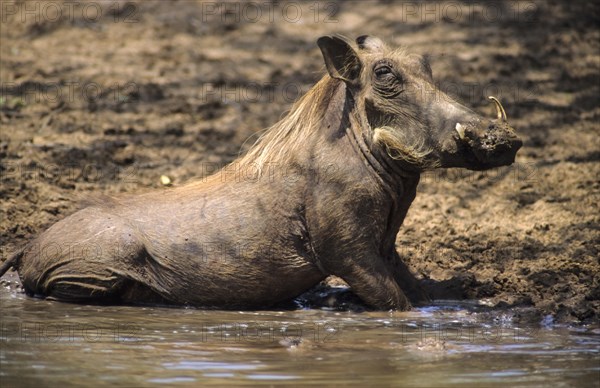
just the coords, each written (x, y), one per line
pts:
(499, 109)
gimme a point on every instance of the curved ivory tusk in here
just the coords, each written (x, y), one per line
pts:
(499, 108)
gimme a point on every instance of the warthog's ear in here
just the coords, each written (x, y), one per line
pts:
(340, 58)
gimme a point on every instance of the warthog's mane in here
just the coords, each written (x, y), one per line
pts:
(278, 143)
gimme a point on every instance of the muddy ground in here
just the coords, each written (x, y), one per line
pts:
(106, 97)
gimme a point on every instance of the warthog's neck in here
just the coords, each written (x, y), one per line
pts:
(345, 123)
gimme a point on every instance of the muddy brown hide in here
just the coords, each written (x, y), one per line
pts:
(319, 194)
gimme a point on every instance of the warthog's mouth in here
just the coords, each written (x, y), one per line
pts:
(491, 146)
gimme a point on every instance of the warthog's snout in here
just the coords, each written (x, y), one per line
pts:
(490, 143)
(484, 143)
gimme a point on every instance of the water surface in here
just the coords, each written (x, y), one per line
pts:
(45, 343)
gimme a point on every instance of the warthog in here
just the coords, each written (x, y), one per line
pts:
(330, 186)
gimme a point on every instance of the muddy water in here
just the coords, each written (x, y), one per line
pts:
(46, 343)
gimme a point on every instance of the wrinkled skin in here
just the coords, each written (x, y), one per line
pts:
(345, 168)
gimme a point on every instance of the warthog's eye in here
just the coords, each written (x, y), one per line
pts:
(382, 70)
(388, 82)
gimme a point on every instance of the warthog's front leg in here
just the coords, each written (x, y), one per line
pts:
(373, 281)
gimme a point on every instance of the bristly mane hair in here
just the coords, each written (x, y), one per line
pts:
(280, 141)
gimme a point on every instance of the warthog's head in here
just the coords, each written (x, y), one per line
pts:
(410, 119)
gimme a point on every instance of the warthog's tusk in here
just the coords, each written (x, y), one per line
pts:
(461, 130)
(499, 108)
